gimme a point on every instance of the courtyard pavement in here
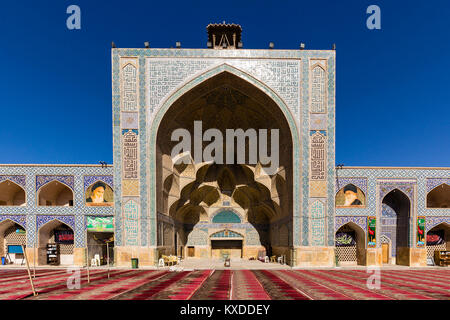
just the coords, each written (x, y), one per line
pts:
(269, 281)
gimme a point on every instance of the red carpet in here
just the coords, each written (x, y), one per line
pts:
(336, 284)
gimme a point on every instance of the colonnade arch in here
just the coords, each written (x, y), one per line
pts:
(12, 237)
(47, 235)
(439, 197)
(397, 211)
(55, 193)
(11, 194)
(350, 242)
(438, 238)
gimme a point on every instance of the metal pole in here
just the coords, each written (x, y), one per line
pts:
(29, 272)
(36, 251)
(107, 256)
(87, 263)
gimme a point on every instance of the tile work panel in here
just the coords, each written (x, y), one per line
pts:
(167, 75)
(35, 176)
(318, 214)
(18, 179)
(224, 67)
(282, 71)
(434, 182)
(143, 163)
(414, 182)
(331, 174)
(43, 180)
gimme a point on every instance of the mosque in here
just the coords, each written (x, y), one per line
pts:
(150, 203)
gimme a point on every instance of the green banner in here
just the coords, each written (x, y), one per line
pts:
(371, 232)
(420, 231)
(100, 224)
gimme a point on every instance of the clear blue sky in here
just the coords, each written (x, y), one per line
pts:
(392, 92)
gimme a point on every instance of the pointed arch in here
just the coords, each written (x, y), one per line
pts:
(436, 224)
(55, 193)
(439, 196)
(8, 235)
(350, 241)
(400, 203)
(46, 235)
(12, 194)
(398, 193)
(438, 238)
(11, 221)
(181, 90)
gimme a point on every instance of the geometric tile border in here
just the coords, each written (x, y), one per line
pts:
(434, 182)
(89, 180)
(67, 180)
(340, 221)
(68, 220)
(432, 222)
(20, 180)
(361, 183)
(19, 219)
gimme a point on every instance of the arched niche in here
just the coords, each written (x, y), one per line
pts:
(11, 194)
(11, 233)
(55, 193)
(438, 238)
(439, 197)
(397, 201)
(350, 243)
(52, 232)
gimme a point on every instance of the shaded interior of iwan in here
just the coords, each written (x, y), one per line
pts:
(190, 193)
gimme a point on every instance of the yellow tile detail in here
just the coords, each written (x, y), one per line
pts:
(130, 187)
(317, 188)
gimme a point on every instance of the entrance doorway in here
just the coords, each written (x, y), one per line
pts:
(12, 237)
(396, 223)
(385, 252)
(56, 243)
(100, 248)
(221, 249)
(350, 244)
